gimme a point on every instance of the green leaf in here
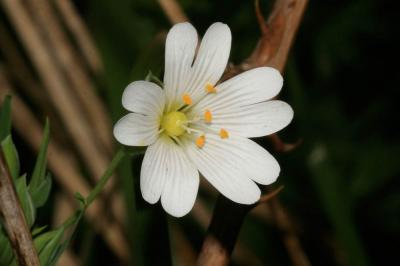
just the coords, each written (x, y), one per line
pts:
(71, 222)
(37, 230)
(337, 204)
(11, 156)
(41, 193)
(48, 246)
(81, 199)
(26, 200)
(39, 172)
(6, 253)
(58, 252)
(5, 118)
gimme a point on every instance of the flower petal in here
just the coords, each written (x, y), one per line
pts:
(253, 86)
(211, 60)
(136, 130)
(144, 97)
(255, 120)
(182, 183)
(153, 174)
(180, 49)
(257, 162)
(224, 164)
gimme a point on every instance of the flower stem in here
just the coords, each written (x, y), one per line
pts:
(97, 189)
(103, 180)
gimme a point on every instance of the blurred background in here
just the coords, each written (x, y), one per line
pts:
(70, 61)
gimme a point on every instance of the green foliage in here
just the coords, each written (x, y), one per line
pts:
(48, 245)
(5, 118)
(6, 253)
(51, 244)
(11, 156)
(42, 192)
(337, 205)
(26, 200)
(341, 184)
(40, 183)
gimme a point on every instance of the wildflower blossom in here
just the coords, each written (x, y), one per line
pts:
(195, 125)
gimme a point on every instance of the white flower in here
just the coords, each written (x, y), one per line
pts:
(196, 125)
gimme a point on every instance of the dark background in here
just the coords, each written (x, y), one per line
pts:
(342, 186)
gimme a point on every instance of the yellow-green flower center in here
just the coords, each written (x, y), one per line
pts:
(172, 123)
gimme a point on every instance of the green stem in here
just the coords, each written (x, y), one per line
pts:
(73, 219)
(103, 180)
(97, 189)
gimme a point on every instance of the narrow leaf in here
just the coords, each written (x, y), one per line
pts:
(42, 240)
(5, 118)
(41, 192)
(37, 230)
(26, 200)
(11, 156)
(6, 253)
(39, 172)
(71, 222)
(47, 253)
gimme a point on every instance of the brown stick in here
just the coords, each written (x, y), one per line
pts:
(271, 50)
(241, 254)
(54, 81)
(221, 236)
(17, 69)
(185, 254)
(14, 220)
(81, 83)
(290, 239)
(65, 169)
(79, 30)
(60, 94)
(173, 11)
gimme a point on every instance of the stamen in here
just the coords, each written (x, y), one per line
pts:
(190, 130)
(194, 120)
(207, 116)
(223, 133)
(210, 88)
(200, 141)
(187, 99)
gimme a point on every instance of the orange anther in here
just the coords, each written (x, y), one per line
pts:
(200, 141)
(210, 88)
(187, 99)
(223, 133)
(207, 116)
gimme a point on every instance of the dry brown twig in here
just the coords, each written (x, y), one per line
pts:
(14, 220)
(267, 197)
(241, 254)
(272, 50)
(18, 68)
(78, 28)
(69, 109)
(284, 222)
(61, 95)
(54, 82)
(173, 11)
(66, 59)
(65, 169)
(185, 253)
(26, 83)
